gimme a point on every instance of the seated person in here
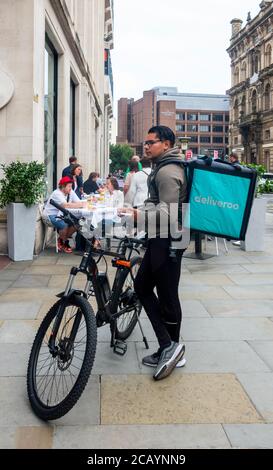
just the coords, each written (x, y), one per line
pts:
(90, 186)
(65, 197)
(116, 196)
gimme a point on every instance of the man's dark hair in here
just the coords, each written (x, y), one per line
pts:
(93, 175)
(72, 160)
(163, 133)
(145, 162)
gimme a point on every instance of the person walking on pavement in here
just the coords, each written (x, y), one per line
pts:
(139, 184)
(161, 267)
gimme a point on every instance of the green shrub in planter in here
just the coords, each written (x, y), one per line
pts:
(22, 182)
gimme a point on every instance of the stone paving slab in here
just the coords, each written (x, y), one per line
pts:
(14, 405)
(60, 281)
(48, 270)
(251, 279)
(239, 308)
(26, 437)
(213, 357)
(179, 399)
(206, 279)
(14, 359)
(251, 292)
(259, 387)
(203, 292)
(19, 331)
(9, 275)
(45, 261)
(28, 281)
(143, 437)
(227, 329)
(250, 436)
(20, 265)
(19, 310)
(259, 268)
(29, 294)
(194, 308)
(4, 285)
(86, 412)
(107, 362)
(214, 269)
(265, 350)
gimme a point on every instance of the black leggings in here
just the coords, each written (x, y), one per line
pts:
(163, 309)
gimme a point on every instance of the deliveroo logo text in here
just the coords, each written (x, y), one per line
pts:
(209, 201)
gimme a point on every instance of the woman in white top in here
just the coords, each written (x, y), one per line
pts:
(133, 166)
(139, 186)
(116, 196)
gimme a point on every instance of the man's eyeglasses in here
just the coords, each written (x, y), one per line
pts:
(149, 143)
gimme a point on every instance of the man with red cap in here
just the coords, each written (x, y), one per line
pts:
(67, 198)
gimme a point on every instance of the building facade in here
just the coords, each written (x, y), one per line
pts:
(251, 116)
(57, 57)
(202, 118)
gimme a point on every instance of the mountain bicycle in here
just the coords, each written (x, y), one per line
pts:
(64, 348)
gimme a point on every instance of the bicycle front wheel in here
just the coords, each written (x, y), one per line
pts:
(126, 300)
(57, 376)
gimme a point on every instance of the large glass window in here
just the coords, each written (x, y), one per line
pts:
(194, 139)
(218, 140)
(205, 140)
(204, 128)
(192, 128)
(218, 117)
(204, 117)
(180, 128)
(218, 129)
(180, 116)
(72, 134)
(50, 115)
(192, 117)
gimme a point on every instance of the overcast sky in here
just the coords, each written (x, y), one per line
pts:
(178, 43)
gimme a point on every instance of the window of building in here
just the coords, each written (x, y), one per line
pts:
(226, 129)
(205, 128)
(192, 117)
(236, 110)
(254, 101)
(195, 150)
(218, 117)
(192, 128)
(227, 118)
(218, 140)
(236, 76)
(180, 128)
(243, 71)
(255, 63)
(243, 106)
(268, 55)
(204, 140)
(267, 94)
(236, 140)
(180, 116)
(226, 140)
(194, 138)
(72, 133)
(218, 129)
(267, 134)
(205, 117)
(50, 114)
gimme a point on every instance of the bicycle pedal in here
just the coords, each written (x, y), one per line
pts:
(120, 348)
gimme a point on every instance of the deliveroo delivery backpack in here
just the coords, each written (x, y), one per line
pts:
(221, 197)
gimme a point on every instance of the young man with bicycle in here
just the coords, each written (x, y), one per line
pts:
(161, 266)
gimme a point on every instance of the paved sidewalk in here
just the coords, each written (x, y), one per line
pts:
(223, 398)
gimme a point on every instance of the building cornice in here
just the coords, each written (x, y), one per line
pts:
(250, 28)
(72, 38)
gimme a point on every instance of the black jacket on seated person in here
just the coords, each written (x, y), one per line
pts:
(90, 186)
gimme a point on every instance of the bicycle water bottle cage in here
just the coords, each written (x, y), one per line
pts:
(120, 348)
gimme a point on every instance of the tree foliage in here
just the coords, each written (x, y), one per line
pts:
(120, 156)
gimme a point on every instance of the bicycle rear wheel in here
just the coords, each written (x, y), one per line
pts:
(126, 299)
(56, 377)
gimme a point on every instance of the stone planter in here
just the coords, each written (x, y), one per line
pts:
(21, 231)
(255, 240)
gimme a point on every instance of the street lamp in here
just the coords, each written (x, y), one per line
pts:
(183, 143)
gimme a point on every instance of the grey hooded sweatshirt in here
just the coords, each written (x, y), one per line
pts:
(167, 186)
